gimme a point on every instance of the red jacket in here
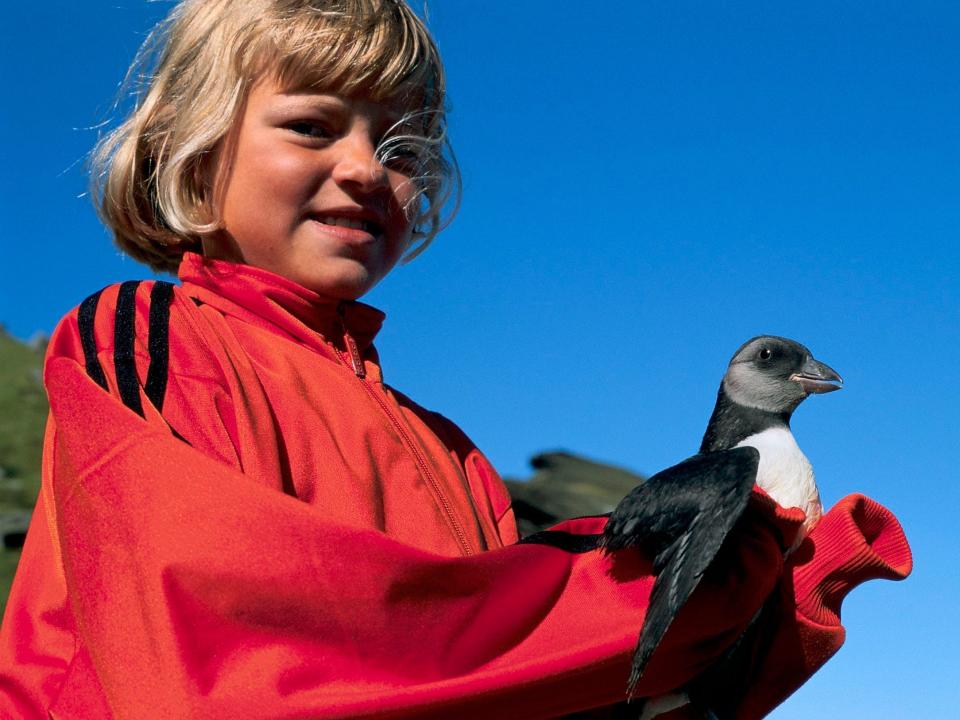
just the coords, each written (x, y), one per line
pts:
(238, 518)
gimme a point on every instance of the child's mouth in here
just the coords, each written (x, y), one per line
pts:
(367, 227)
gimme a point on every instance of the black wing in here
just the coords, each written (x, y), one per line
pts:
(681, 516)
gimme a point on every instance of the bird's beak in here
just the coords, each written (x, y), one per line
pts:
(816, 377)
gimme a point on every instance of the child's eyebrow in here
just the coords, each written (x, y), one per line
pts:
(309, 100)
(306, 100)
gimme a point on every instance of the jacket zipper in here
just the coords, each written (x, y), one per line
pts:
(352, 359)
(355, 360)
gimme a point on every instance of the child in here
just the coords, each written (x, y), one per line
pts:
(239, 518)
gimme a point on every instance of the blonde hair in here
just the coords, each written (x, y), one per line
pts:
(152, 176)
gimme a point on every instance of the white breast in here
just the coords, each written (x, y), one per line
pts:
(785, 473)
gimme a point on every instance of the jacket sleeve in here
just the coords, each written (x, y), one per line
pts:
(38, 636)
(223, 597)
(226, 598)
(799, 627)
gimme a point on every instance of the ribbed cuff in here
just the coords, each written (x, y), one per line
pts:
(857, 540)
(787, 521)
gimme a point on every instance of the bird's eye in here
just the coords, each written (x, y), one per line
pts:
(765, 353)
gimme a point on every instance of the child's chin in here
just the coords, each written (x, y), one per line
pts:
(343, 285)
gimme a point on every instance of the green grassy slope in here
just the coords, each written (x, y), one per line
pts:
(23, 412)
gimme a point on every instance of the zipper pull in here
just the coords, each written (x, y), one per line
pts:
(351, 345)
(359, 370)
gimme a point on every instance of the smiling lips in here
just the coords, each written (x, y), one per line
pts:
(349, 228)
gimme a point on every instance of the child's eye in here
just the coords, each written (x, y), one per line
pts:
(401, 155)
(405, 161)
(309, 129)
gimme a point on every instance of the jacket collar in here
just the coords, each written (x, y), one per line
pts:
(275, 303)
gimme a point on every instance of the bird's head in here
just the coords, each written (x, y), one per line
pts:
(776, 374)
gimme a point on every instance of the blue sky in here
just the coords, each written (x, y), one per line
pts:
(646, 185)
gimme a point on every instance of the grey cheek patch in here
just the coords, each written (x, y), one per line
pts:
(752, 389)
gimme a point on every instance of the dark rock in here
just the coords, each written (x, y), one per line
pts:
(564, 486)
(13, 527)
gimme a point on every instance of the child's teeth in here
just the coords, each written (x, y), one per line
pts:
(344, 222)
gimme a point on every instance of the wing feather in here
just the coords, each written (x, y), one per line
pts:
(681, 516)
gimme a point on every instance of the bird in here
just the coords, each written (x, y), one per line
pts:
(682, 515)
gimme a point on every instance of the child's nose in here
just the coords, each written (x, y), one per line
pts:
(358, 163)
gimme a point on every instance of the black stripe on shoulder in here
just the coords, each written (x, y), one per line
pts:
(85, 318)
(178, 436)
(563, 541)
(124, 335)
(159, 342)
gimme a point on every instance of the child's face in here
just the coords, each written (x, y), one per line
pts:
(303, 195)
